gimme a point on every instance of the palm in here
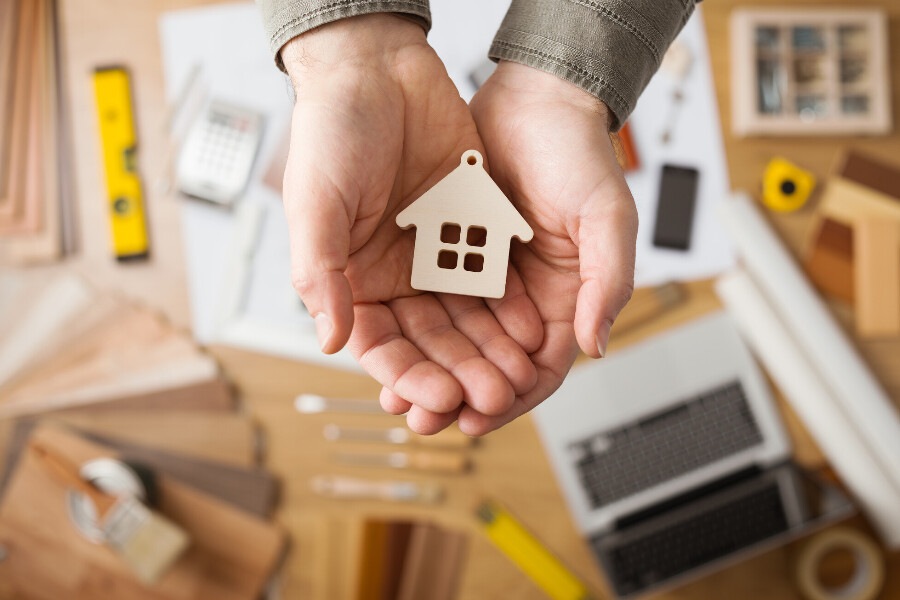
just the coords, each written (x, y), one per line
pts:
(400, 126)
(556, 162)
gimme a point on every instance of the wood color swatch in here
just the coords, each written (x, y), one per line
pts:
(220, 436)
(250, 489)
(232, 553)
(30, 134)
(65, 346)
(402, 560)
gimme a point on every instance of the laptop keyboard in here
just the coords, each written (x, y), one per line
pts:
(678, 546)
(618, 463)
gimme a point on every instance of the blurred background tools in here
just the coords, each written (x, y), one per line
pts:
(214, 297)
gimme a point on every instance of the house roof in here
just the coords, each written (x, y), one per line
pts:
(468, 196)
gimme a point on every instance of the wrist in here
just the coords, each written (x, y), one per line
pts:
(357, 41)
(523, 79)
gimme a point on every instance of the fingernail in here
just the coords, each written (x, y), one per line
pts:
(323, 329)
(603, 337)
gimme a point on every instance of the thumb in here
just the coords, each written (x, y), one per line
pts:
(606, 252)
(319, 228)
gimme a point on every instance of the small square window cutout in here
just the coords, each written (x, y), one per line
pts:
(447, 259)
(476, 236)
(450, 233)
(474, 263)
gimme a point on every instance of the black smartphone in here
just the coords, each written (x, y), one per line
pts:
(675, 209)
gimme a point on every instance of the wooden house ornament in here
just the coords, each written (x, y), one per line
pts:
(463, 229)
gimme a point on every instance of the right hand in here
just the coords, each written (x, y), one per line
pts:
(377, 122)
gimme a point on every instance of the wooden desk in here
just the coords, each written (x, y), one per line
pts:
(509, 464)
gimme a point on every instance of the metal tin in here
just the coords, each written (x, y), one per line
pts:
(111, 476)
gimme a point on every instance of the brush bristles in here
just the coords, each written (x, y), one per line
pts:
(147, 541)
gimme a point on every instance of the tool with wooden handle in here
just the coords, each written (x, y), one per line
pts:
(352, 488)
(148, 542)
(433, 462)
(448, 438)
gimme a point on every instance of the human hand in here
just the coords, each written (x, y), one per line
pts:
(376, 123)
(550, 151)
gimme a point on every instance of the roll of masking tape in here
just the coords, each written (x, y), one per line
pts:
(868, 574)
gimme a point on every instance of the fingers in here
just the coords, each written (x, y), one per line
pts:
(425, 323)
(475, 321)
(552, 360)
(393, 404)
(606, 252)
(517, 314)
(425, 422)
(378, 345)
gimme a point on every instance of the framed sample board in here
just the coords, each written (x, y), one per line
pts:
(810, 72)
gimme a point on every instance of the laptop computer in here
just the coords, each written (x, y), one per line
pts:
(672, 456)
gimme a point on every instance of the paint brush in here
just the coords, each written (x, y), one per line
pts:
(147, 542)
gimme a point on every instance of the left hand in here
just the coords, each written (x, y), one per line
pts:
(549, 149)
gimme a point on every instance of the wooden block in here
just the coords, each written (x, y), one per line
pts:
(464, 225)
(232, 555)
(846, 201)
(872, 173)
(876, 245)
(829, 262)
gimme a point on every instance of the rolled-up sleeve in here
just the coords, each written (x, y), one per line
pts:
(285, 19)
(610, 48)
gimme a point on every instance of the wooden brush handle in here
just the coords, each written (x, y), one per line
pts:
(67, 473)
(439, 462)
(448, 438)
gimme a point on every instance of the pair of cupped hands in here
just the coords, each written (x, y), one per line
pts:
(377, 122)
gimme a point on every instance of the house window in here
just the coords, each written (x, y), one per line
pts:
(476, 237)
(447, 259)
(473, 262)
(450, 233)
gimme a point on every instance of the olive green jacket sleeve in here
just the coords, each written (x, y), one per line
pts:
(609, 48)
(286, 19)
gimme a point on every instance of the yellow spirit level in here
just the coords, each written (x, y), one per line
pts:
(123, 185)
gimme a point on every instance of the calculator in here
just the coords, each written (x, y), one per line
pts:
(217, 157)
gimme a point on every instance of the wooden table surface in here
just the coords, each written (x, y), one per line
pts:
(509, 464)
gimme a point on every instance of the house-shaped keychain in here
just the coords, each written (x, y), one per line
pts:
(463, 229)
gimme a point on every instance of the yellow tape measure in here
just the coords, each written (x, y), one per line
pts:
(123, 185)
(529, 554)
